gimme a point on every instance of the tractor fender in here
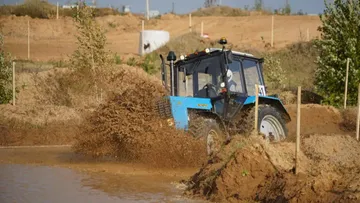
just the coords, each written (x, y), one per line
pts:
(272, 101)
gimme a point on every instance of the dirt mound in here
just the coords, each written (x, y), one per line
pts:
(220, 11)
(170, 16)
(315, 119)
(129, 128)
(332, 175)
(253, 170)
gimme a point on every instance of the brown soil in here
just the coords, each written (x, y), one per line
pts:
(54, 39)
(259, 171)
(315, 119)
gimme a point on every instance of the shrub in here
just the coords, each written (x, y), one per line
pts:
(131, 62)
(5, 75)
(35, 9)
(117, 59)
(274, 74)
(149, 64)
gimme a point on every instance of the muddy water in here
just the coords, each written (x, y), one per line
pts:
(45, 181)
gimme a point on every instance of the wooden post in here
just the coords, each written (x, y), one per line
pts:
(298, 117)
(202, 28)
(28, 39)
(358, 116)
(256, 107)
(142, 37)
(14, 84)
(307, 35)
(346, 81)
(272, 31)
(190, 23)
(77, 11)
(57, 10)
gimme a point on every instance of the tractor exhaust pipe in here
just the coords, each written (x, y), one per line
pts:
(164, 73)
(171, 58)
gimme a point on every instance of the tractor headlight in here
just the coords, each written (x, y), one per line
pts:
(222, 85)
(182, 57)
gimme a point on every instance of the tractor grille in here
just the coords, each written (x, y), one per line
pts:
(164, 108)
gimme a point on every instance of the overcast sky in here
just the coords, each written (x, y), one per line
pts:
(185, 6)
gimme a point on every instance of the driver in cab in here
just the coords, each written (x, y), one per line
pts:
(232, 84)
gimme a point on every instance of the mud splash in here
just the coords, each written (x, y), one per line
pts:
(129, 128)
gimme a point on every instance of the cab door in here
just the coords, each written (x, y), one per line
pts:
(236, 87)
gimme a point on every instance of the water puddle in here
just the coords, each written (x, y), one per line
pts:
(29, 183)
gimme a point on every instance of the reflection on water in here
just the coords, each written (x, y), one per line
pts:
(24, 183)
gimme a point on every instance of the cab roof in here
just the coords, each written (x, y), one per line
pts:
(234, 52)
(213, 52)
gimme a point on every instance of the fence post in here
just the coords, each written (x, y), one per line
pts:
(298, 118)
(346, 81)
(256, 107)
(14, 84)
(358, 116)
(272, 31)
(202, 28)
(28, 39)
(57, 10)
(307, 35)
(190, 25)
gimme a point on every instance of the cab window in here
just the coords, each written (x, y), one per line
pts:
(234, 81)
(252, 76)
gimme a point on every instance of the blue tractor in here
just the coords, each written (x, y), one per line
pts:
(212, 96)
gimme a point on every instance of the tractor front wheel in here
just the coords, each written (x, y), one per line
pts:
(208, 130)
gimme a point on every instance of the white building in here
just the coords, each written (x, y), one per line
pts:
(126, 9)
(153, 13)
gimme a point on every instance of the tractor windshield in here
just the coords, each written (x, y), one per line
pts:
(195, 75)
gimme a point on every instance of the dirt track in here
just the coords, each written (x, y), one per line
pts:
(54, 39)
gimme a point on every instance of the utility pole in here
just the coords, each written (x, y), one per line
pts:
(147, 10)
(173, 8)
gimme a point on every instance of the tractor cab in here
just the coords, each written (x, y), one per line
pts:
(226, 77)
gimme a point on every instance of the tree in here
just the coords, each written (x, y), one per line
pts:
(210, 3)
(339, 40)
(5, 75)
(287, 8)
(90, 58)
(258, 5)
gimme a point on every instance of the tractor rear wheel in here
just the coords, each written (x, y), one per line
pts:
(208, 130)
(271, 124)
